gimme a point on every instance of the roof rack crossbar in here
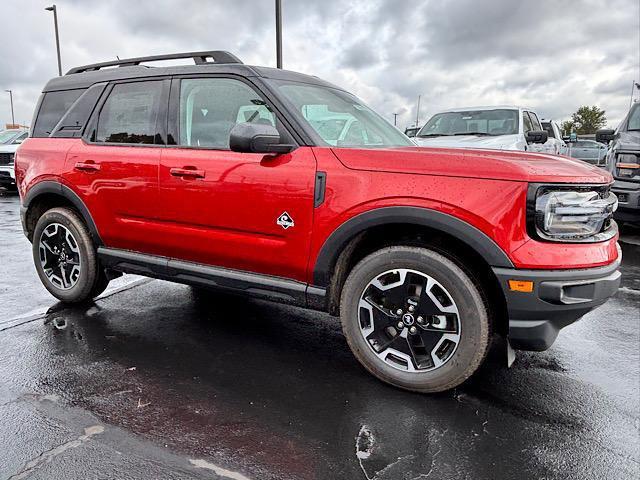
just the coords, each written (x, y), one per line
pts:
(200, 58)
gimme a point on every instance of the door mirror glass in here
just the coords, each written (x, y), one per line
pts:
(537, 136)
(257, 138)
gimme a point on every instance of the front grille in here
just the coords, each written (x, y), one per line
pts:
(6, 158)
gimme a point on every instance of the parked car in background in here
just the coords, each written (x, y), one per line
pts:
(10, 140)
(623, 161)
(589, 151)
(554, 137)
(12, 135)
(499, 128)
(411, 131)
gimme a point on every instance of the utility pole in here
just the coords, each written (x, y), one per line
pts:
(53, 9)
(418, 111)
(395, 118)
(13, 120)
(279, 33)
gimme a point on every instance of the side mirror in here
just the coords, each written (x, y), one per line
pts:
(605, 135)
(257, 138)
(537, 136)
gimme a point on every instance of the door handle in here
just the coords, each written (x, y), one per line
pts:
(88, 166)
(188, 172)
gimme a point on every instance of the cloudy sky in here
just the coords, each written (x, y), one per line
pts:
(553, 55)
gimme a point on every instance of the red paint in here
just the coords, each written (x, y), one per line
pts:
(220, 207)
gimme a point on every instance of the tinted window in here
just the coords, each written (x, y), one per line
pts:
(526, 122)
(634, 119)
(74, 120)
(211, 107)
(54, 106)
(535, 121)
(549, 129)
(130, 114)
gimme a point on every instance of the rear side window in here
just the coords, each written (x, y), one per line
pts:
(73, 122)
(54, 105)
(130, 114)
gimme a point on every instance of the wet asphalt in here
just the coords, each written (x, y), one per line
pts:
(156, 380)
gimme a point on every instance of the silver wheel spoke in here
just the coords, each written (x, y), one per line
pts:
(60, 256)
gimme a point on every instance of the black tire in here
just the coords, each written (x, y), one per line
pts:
(91, 280)
(473, 318)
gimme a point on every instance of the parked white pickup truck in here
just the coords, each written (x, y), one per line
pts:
(498, 128)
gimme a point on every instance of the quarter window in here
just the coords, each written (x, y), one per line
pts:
(130, 114)
(211, 107)
(54, 105)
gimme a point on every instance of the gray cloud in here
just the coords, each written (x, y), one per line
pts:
(553, 55)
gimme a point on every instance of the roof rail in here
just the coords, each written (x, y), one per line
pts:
(218, 56)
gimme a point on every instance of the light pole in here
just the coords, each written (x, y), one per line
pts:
(53, 9)
(418, 111)
(13, 120)
(279, 33)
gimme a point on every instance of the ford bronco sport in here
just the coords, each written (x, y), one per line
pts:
(234, 177)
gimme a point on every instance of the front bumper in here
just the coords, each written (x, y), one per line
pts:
(559, 298)
(628, 194)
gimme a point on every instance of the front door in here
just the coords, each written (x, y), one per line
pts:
(237, 210)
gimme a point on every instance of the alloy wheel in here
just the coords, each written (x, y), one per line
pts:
(409, 320)
(59, 256)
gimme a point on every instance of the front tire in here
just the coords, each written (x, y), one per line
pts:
(415, 319)
(65, 257)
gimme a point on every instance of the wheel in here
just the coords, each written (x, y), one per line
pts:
(65, 257)
(414, 319)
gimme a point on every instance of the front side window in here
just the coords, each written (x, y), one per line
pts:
(130, 114)
(535, 122)
(54, 105)
(472, 122)
(337, 118)
(527, 123)
(211, 107)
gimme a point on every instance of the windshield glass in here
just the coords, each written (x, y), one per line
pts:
(472, 122)
(339, 119)
(634, 118)
(7, 135)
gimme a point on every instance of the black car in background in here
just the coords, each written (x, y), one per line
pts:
(623, 161)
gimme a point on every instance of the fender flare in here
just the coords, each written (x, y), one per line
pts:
(61, 190)
(470, 235)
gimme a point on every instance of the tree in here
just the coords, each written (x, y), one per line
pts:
(567, 127)
(585, 120)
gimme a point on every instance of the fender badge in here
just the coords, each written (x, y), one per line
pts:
(285, 220)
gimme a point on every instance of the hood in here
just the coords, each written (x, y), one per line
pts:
(500, 142)
(498, 165)
(628, 141)
(11, 148)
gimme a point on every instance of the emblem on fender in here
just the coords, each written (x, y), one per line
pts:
(285, 220)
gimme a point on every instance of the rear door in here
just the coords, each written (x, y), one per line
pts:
(115, 166)
(237, 210)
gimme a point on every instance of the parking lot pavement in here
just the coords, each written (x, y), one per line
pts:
(157, 380)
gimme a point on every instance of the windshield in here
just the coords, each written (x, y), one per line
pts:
(472, 122)
(7, 135)
(338, 118)
(634, 118)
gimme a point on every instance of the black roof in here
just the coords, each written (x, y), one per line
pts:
(224, 62)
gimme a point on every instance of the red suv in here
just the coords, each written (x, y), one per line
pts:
(279, 185)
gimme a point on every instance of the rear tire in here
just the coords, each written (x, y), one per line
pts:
(415, 319)
(65, 257)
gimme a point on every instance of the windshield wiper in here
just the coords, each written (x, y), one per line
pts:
(480, 134)
(433, 135)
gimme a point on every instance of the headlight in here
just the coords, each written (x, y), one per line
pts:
(627, 165)
(574, 214)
